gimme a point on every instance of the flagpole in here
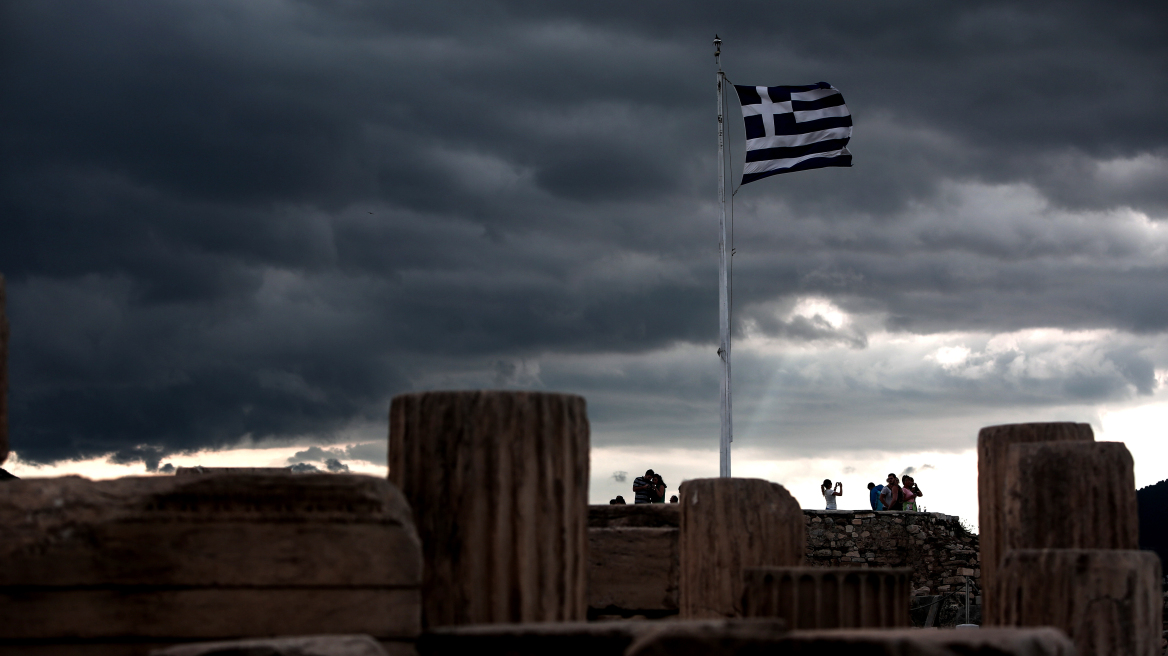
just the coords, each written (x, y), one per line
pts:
(723, 280)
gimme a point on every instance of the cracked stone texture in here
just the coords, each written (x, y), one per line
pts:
(1107, 600)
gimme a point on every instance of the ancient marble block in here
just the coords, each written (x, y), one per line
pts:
(829, 597)
(134, 561)
(535, 638)
(3, 375)
(1107, 600)
(1070, 495)
(738, 640)
(633, 569)
(728, 525)
(993, 444)
(498, 482)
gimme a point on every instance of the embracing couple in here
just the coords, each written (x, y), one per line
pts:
(649, 488)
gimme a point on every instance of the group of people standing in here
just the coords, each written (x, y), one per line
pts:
(892, 496)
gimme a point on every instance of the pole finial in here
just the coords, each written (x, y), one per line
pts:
(717, 46)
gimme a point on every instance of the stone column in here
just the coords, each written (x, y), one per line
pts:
(829, 597)
(498, 482)
(3, 375)
(727, 525)
(993, 443)
(1070, 495)
(1108, 601)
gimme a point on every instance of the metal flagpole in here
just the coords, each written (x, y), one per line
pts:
(723, 279)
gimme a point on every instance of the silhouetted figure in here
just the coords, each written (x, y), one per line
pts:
(673, 499)
(830, 493)
(874, 491)
(658, 489)
(910, 492)
(618, 501)
(643, 488)
(890, 497)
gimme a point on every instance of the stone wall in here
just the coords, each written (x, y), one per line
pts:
(940, 551)
(633, 554)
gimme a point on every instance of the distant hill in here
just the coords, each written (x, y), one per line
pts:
(1153, 502)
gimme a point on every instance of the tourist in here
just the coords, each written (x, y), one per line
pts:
(658, 489)
(829, 493)
(890, 497)
(618, 501)
(643, 488)
(673, 499)
(911, 492)
(874, 491)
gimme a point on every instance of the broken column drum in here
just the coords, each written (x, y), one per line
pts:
(993, 443)
(1070, 495)
(498, 482)
(829, 597)
(1107, 600)
(727, 525)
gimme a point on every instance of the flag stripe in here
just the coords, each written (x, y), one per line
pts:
(798, 139)
(788, 152)
(834, 100)
(804, 165)
(827, 112)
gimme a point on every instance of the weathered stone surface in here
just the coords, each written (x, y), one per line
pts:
(633, 570)
(993, 444)
(681, 640)
(828, 598)
(536, 639)
(325, 645)
(3, 375)
(217, 556)
(639, 515)
(709, 637)
(498, 482)
(727, 525)
(1070, 495)
(1107, 600)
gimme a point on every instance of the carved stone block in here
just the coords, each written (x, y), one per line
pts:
(1108, 601)
(829, 597)
(125, 563)
(498, 482)
(739, 639)
(728, 525)
(1070, 495)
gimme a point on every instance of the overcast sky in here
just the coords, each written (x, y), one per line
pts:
(237, 226)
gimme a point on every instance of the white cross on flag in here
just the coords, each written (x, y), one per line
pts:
(794, 129)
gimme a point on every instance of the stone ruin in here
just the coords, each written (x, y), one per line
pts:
(482, 540)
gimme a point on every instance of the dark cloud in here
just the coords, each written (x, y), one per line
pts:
(148, 455)
(228, 222)
(336, 466)
(303, 468)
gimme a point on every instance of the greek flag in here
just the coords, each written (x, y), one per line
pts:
(794, 129)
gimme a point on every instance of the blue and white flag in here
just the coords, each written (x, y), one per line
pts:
(794, 129)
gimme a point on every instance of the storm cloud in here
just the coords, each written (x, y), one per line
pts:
(229, 222)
